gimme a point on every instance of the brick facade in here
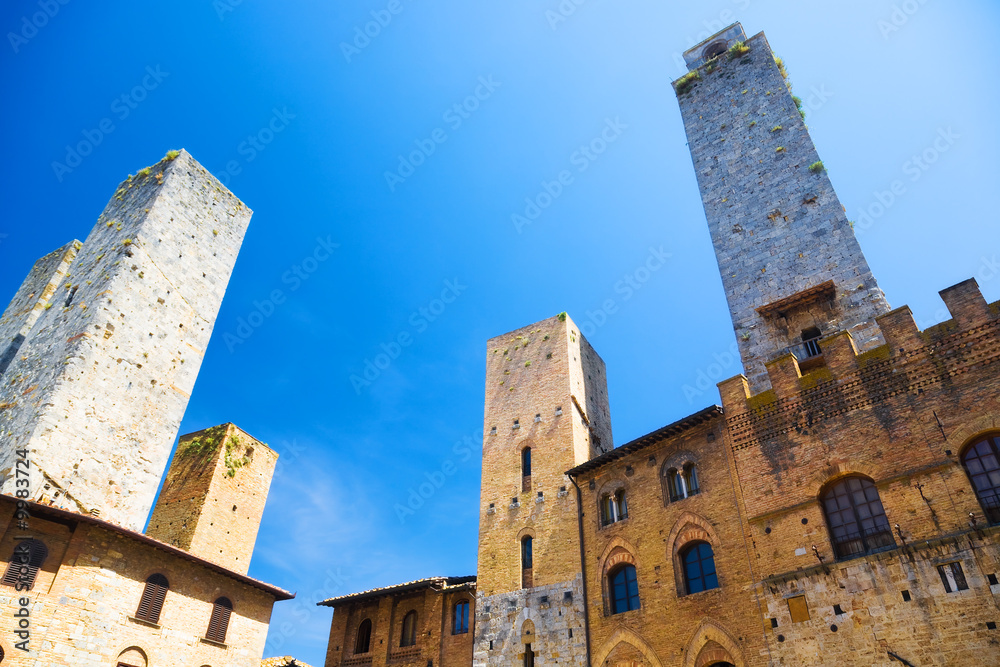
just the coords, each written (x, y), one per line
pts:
(438, 640)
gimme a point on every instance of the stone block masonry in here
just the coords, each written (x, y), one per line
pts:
(36, 293)
(777, 225)
(97, 390)
(213, 498)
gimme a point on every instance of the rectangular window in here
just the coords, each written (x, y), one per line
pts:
(953, 577)
(798, 608)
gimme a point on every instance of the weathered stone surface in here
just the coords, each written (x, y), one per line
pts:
(777, 226)
(97, 390)
(212, 499)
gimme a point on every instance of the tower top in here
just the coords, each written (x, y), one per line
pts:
(715, 45)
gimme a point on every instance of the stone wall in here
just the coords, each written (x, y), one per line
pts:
(777, 225)
(213, 497)
(98, 389)
(34, 296)
(549, 618)
(900, 415)
(85, 597)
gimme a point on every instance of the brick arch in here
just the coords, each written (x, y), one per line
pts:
(712, 643)
(527, 531)
(688, 528)
(675, 461)
(617, 552)
(970, 430)
(134, 656)
(837, 471)
(626, 636)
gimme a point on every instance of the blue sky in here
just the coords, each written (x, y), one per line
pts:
(882, 81)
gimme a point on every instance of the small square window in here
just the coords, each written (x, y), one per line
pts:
(837, 610)
(906, 596)
(952, 577)
(992, 579)
(774, 622)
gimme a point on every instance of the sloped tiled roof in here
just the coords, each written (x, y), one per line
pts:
(283, 661)
(427, 582)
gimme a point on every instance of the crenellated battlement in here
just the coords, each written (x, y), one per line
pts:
(909, 360)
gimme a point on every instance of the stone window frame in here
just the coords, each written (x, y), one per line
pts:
(991, 507)
(617, 554)
(609, 489)
(122, 655)
(690, 528)
(679, 462)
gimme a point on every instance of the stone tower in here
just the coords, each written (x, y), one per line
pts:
(96, 391)
(792, 269)
(546, 394)
(213, 496)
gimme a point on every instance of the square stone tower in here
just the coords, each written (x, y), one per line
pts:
(213, 497)
(791, 266)
(96, 389)
(546, 412)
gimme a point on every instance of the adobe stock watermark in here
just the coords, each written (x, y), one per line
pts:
(626, 287)
(914, 168)
(899, 16)
(720, 369)
(420, 320)
(432, 481)
(30, 25)
(256, 143)
(581, 158)
(454, 116)
(363, 35)
(303, 608)
(294, 277)
(223, 7)
(121, 108)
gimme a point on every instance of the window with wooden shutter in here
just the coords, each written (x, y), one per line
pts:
(151, 602)
(24, 564)
(219, 623)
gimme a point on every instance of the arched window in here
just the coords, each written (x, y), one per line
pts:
(409, 636)
(682, 483)
(982, 463)
(132, 657)
(613, 507)
(857, 522)
(151, 602)
(461, 625)
(364, 639)
(624, 589)
(22, 568)
(699, 567)
(526, 462)
(219, 623)
(714, 50)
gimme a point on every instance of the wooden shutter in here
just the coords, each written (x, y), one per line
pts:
(219, 623)
(36, 553)
(152, 599)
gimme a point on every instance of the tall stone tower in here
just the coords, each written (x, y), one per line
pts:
(213, 497)
(791, 266)
(96, 389)
(546, 412)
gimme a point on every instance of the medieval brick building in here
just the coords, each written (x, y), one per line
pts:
(99, 351)
(841, 507)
